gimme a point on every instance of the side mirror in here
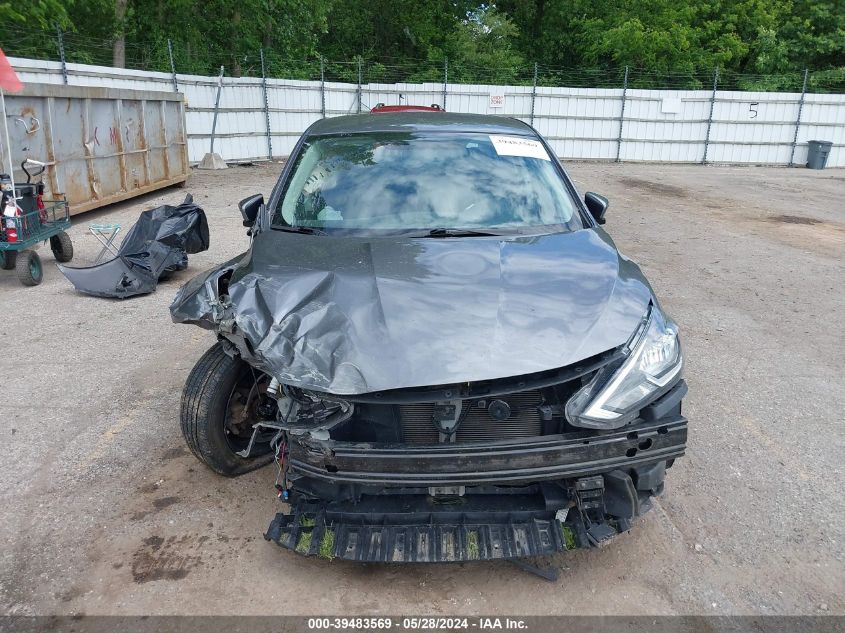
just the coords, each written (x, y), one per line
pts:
(250, 207)
(596, 205)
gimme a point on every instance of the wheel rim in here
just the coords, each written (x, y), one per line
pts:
(241, 410)
(34, 267)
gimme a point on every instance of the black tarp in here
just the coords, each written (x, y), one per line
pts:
(158, 244)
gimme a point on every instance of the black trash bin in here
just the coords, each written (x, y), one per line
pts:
(817, 153)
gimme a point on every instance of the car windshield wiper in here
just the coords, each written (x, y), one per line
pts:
(443, 232)
(308, 230)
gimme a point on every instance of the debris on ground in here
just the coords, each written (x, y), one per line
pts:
(156, 246)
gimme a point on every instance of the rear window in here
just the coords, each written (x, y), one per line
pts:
(397, 182)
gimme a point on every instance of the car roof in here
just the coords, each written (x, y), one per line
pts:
(405, 108)
(419, 122)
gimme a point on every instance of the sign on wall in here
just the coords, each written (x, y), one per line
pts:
(670, 105)
(497, 99)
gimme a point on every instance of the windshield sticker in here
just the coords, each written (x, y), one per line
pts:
(516, 146)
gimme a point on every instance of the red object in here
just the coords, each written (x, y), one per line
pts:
(42, 210)
(8, 77)
(11, 230)
(9, 221)
(380, 107)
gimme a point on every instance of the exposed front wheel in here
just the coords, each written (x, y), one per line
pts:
(219, 407)
(28, 268)
(62, 247)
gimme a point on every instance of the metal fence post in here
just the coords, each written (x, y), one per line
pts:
(266, 107)
(216, 107)
(61, 42)
(798, 119)
(445, 79)
(172, 65)
(360, 92)
(710, 117)
(533, 94)
(622, 114)
(322, 87)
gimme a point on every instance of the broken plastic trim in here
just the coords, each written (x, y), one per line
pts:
(452, 536)
(289, 421)
(410, 529)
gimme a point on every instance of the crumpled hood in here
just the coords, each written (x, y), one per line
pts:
(354, 315)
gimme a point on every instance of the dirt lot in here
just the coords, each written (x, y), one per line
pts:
(104, 511)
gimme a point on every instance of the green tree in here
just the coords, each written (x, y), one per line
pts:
(481, 48)
(683, 37)
(44, 14)
(762, 44)
(24, 24)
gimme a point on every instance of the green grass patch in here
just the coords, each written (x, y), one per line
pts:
(304, 543)
(304, 521)
(327, 545)
(472, 544)
(568, 535)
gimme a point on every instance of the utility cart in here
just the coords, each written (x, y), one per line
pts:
(27, 219)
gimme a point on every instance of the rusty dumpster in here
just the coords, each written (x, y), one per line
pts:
(101, 145)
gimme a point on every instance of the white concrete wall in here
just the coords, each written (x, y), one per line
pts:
(580, 123)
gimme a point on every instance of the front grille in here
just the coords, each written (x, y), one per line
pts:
(477, 425)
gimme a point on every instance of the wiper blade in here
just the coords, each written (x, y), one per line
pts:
(443, 232)
(308, 230)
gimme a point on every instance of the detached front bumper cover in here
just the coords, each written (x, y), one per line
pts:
(157, 244)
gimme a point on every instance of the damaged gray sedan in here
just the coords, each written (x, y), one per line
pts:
(438, 346)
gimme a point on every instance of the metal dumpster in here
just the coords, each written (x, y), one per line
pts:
(101, 145)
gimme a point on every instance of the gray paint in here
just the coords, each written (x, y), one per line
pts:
(356, 315)
(353, 315)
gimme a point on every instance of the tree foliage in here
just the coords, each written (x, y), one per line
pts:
(755, 43)
(683, 37)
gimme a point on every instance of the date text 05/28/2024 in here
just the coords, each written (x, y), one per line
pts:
(415, 623)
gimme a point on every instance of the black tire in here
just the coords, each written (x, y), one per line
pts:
(206, 414)
(7, 259)
(62, 247)
(28, 268)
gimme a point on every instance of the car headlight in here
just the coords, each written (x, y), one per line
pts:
(617, 392)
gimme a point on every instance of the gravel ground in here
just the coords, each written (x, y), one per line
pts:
(106, 512)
